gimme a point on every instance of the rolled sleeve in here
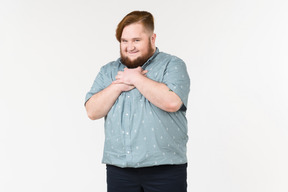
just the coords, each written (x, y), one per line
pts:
(177, 79)
(98, 85)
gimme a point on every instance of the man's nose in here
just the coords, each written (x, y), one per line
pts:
(130, 46)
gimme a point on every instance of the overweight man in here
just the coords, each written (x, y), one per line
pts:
(143, 97)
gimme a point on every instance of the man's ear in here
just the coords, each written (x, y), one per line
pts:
(153, 38)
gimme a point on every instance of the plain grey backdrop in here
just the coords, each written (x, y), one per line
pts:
(236, 54)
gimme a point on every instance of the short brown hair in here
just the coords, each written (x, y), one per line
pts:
(144, 17)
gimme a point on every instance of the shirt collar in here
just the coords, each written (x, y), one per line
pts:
(151, 58)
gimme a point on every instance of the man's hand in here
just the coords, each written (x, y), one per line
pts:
(123, 87)
(129, 76)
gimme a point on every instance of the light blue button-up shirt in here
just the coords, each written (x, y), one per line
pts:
(137, 133)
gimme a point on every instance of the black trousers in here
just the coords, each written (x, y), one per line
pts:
(163, 178)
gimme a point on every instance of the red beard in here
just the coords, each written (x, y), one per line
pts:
(138, 61)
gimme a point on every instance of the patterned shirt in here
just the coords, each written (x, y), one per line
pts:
(137, 133)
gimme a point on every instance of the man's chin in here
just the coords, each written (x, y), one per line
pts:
(133, 59)
(132, 63)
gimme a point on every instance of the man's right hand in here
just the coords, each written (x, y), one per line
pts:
(100, 103)
(123, 87)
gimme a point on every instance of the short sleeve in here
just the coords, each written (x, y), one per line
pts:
(100, 83)
(177, 79)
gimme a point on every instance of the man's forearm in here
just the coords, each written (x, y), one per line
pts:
(99, 104)
(158, 94)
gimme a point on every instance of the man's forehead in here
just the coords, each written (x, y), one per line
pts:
(136, 30)
(133, 35)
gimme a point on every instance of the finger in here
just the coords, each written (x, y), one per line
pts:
(117, 82)
(118, 76)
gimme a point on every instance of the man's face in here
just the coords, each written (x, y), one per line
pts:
(137, 45)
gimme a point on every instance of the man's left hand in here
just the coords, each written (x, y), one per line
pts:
(129, 76)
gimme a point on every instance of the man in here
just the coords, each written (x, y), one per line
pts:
(143, 96)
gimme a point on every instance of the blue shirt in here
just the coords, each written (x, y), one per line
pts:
(137, 133)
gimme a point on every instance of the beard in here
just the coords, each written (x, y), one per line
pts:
(139, 61)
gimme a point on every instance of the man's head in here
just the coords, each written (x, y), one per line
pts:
(137, 39)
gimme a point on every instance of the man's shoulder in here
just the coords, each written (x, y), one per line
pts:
(169, 57)
(164, 54)
(111, 65)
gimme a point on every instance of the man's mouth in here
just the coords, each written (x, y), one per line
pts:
(132, 52)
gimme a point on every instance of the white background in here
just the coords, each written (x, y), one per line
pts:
(236, 54)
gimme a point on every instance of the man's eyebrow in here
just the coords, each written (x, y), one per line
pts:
(134, 38)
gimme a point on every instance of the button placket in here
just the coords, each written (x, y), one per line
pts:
(127, 129)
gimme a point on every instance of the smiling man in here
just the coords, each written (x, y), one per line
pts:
(137, 44)
(143, 96)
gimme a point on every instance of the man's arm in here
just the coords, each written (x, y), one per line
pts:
(157, 93)
(100, 103)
